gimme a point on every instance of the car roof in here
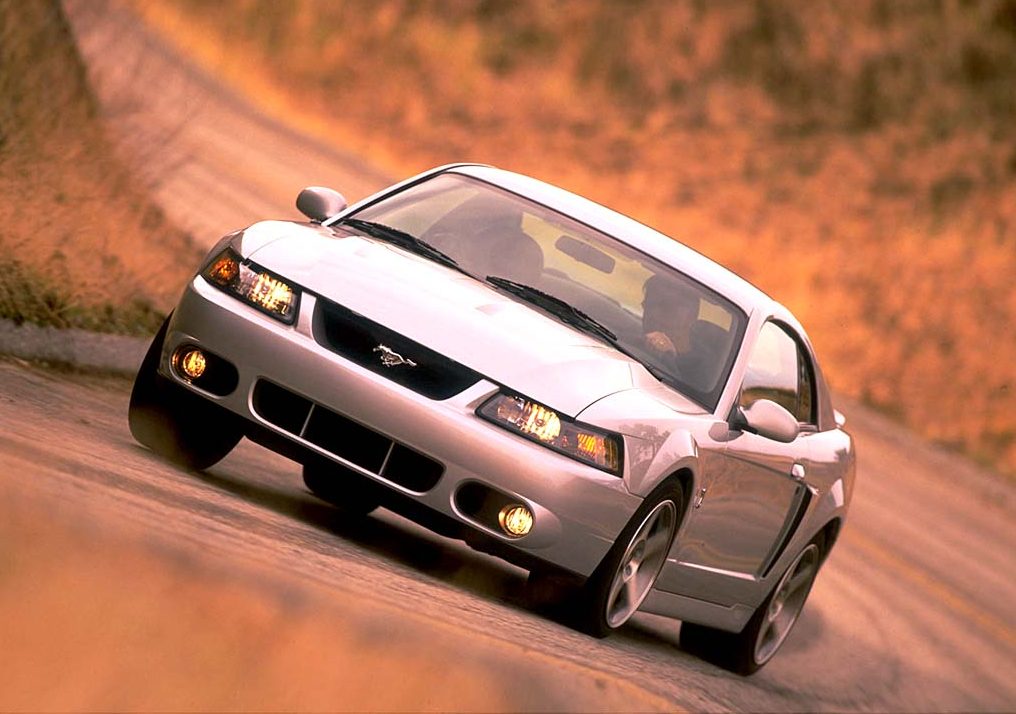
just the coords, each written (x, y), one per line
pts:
(638, 235)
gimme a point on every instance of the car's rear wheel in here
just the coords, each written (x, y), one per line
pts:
(628, 572)
(748, 651)
(342, 488)
(176, 423)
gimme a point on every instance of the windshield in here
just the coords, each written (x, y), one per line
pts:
(686, 334)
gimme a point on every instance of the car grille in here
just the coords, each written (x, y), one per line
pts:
(359, 340)
(345, 438)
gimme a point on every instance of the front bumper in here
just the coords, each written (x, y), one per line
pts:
(579, 511)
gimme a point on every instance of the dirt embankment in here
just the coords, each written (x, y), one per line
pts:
(81, 245)
(857, 160)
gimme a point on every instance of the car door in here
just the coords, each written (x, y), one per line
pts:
(753, 492)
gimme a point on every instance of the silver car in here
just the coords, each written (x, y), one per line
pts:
(511, 364)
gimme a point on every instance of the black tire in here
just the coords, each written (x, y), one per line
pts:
(601, 608)
(743, 652)
(342, 488)
(175, 423)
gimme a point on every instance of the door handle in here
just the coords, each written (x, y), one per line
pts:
(797, 472)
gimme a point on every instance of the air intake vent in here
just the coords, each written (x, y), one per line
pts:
(388, 353)
(348, 440)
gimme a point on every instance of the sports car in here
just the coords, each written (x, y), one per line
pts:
(513, 365)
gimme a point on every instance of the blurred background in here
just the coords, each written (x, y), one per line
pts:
(856, 160)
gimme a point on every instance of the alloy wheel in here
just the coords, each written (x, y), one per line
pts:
(641, 563)
(786, 604)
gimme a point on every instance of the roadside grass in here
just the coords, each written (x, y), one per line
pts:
(81, 244)
(25, 296)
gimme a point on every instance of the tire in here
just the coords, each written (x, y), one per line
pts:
(342, 488)
(175, 423)
(748, 651)
(619, 585)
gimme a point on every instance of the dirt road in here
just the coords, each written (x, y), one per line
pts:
(914, 611)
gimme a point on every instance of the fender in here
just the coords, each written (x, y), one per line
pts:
(659, 439)
(679, 452)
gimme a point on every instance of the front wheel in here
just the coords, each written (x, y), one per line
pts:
(176, 423)
(342, 487)
(628, 572)
(749, 650)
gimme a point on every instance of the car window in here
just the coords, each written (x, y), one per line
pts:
(419, 208)
(686, 333)
(806, 407)
(780, 370)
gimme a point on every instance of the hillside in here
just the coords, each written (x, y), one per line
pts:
(80, 243)
(855, 160)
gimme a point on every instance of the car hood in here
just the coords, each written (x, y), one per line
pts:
(470, 322)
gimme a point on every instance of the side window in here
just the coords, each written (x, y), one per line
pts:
(806, 406)
(779, 370)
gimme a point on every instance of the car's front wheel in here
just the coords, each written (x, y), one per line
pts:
(341, 487)
(748, 651)
(628, 572)
(176, 423)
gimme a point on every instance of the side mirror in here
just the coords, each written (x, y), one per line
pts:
(768, 419)
(319, 203)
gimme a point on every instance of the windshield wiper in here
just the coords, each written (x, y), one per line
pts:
(403, 240)
(567, 312)
(575, 317)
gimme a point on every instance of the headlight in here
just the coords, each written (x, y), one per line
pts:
(545, 426)
(252, 284)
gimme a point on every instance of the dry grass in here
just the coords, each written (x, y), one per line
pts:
(81, 245)
(856, 160)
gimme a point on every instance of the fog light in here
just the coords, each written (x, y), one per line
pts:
(191, 362)
(515, 519)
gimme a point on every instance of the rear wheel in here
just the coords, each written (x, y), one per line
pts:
(342, 488)
(176, 423)
(748, 651)
(628, 572)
